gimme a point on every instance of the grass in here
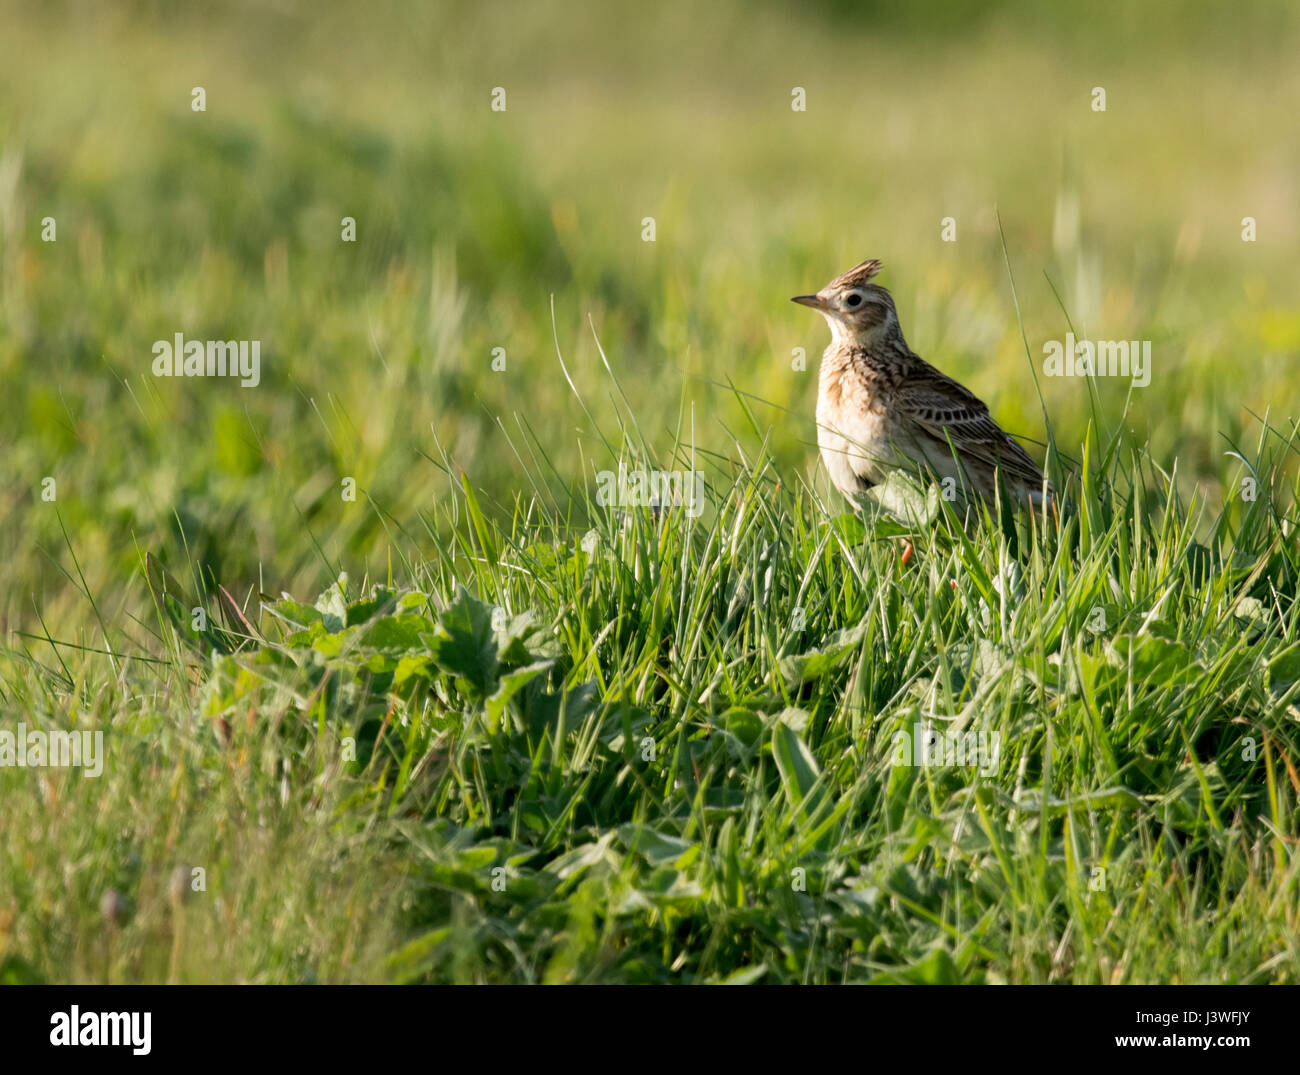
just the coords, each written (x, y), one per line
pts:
(525, 736)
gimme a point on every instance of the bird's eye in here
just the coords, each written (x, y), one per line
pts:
(853, 300)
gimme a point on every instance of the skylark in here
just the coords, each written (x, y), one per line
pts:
(881, 407)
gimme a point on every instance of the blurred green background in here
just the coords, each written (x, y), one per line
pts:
(473, 224)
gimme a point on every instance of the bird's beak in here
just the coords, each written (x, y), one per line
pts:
(809, 300)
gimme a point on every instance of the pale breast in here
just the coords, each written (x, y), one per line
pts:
(853, 431)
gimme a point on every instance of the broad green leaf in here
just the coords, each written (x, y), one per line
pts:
(511, 683)
(937, 968)
(361, 610)
(816, 663)
(511, 639)
(1153, 662)
(463, 645)
(1284, 670)
(333, 605)
(331, 645)
(542, 711)
(583, 857)
(744, 724)
(299, 615)
(657, 848)
(905, 499)
(396, 634)
(795, 763)
(410, 666)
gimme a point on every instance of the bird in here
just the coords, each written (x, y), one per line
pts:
(882, 408)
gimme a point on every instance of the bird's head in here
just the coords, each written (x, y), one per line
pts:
(858, 311)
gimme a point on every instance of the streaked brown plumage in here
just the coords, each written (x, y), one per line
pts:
(881, 407)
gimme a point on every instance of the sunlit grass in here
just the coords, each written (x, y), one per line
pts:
(1125, 648)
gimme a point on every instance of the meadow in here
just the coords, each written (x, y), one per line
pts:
(444, 715)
